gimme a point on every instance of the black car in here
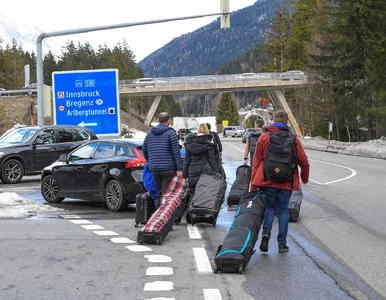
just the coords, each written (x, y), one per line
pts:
(105, 171)
(27, 150)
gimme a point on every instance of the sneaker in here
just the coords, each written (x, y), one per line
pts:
(264, 241)
(283, 248)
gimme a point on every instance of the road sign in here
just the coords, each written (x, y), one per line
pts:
(224, 122)
(88, 98)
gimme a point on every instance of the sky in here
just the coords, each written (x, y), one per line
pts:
(143, 40)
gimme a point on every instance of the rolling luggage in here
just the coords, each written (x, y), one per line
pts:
(207, 199)
(238, 246)
(163, 219)
(294, 205)
(144, 207)
(241, 184)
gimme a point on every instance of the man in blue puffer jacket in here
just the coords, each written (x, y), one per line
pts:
(162, 150)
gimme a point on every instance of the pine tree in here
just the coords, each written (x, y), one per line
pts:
(227, 110)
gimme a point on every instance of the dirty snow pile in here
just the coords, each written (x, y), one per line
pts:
(372, 148)
(14, 206)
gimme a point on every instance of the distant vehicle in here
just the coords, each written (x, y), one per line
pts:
(30, 86)
(27, 150)
(107, 171)
(200, 79)
(293, 75)
(147, 82)
(233, 131)
(248, 77)
(183, 132)
(244, 138)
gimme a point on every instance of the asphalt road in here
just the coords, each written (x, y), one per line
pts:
(335, 247)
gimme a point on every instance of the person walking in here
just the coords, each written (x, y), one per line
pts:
(200, 156)
(251, 141)
(265, 176)
(162, 150)
(218, 149)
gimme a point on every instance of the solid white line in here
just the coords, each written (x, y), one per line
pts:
(107, 232)
(212, 294)
(79, 222)
(153, 271)
(353, 172)
(138, 248)
(91, 227)
(194, 234)
(202, 260)
(122, 240)
(69, 216)
(160, 298)
(159, 286)
(158, 258)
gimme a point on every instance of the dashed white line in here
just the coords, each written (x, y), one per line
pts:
(212, 294)
(91, 227)
(69, 216)
(159, 286)
(194, 234)
(139, 248)
(106, 232)
(202, 260)
(160, 298)
(122, 240)
(79, 222)
(153, 271)
(158, 258)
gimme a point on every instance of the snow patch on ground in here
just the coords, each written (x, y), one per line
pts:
(14, 206)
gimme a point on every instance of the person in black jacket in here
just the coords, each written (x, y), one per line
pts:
(218, 149)
(200, 156)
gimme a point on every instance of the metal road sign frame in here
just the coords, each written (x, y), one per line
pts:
(88, 98)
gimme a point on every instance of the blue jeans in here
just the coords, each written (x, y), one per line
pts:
(277, 199)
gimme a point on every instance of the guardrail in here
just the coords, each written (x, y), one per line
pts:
(13, 92)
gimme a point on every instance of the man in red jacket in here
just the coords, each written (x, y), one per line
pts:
(278, 194)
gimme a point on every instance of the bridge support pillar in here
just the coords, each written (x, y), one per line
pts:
(280, 102)
(152, 110)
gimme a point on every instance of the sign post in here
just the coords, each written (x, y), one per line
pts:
(87, 98)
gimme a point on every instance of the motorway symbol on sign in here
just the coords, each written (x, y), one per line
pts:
(87, 98)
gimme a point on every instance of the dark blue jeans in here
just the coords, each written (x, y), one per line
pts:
(277, 199)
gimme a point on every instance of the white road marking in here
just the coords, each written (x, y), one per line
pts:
(105, 232)
(194, 234)
(152, 271)
(122, 240)
(69, 216)
(202, 260)
(91, 227)
(159, 286)
(353, 173)
(79, 222)
(158, 258)
(160, 298)
(139, 248)
(212, 294)
(242, 150)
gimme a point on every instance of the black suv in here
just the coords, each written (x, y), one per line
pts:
(27, 150)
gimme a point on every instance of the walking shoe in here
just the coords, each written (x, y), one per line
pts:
(283, 248)
(265, 240)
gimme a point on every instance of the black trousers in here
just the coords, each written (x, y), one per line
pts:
(162, 181)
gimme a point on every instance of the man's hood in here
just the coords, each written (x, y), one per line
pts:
(160, 129)
(274, 126)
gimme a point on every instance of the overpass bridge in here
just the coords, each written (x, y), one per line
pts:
(274, 83)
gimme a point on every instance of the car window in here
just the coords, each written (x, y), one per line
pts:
(85, 152)
(239, 128)
(81, 135)
(105, 150)
(120, 151)
(18, 136)
(66, 135)
(46, 136)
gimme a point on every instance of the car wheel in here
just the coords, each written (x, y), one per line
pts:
(114, 197)
(49, 190)
(12, 172)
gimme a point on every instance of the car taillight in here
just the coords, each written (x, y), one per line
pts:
(139, 161)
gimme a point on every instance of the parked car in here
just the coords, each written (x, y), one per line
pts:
(104, 170)
(293, 75)
(244, 137)
(233, 131)
(27, 150)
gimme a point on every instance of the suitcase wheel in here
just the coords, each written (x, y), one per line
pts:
(136, 225)
(139, 240)
(241, 270)
(158, 241)
(214, 223)
(215, 269)
(218, 249)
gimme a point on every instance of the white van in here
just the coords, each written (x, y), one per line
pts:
(233, 131)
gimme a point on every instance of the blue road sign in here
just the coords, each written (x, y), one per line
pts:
(87, 98)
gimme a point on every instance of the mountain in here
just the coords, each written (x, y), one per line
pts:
(202, 51)
(24, 34)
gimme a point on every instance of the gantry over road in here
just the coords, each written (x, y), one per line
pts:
(274, 83)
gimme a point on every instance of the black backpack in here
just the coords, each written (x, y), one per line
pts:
(281, 160)
(253, 141)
